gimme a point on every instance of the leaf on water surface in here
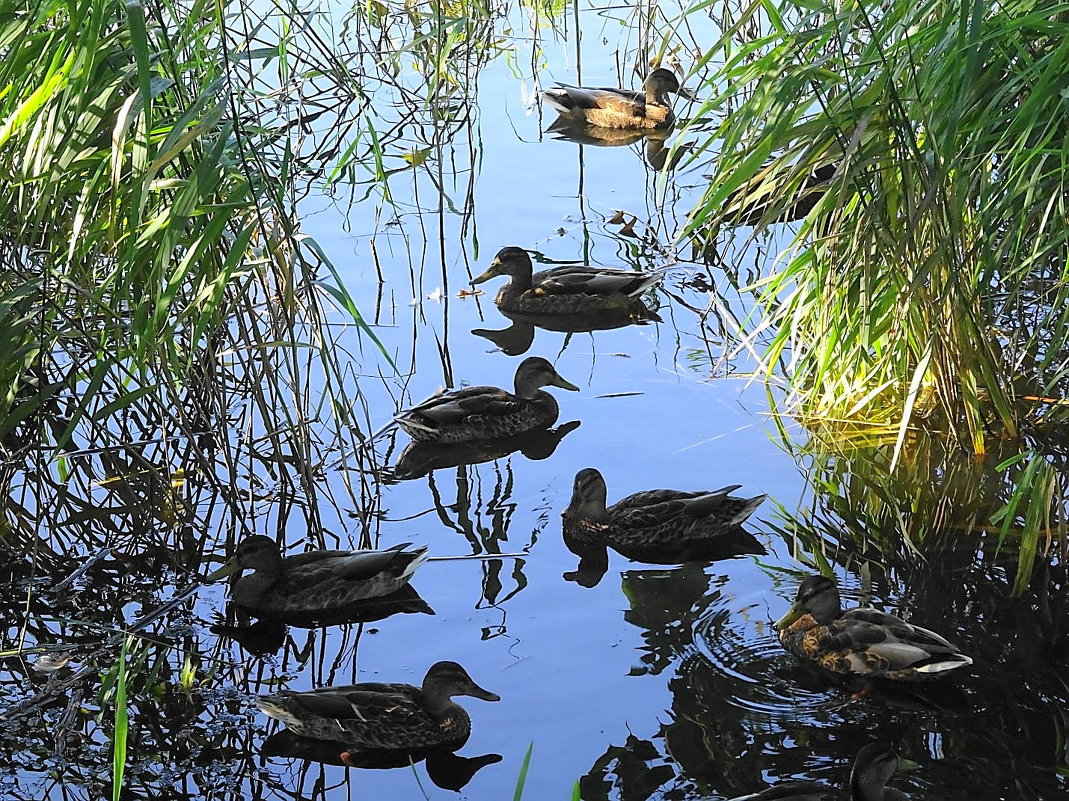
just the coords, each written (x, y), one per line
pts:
(619, 394)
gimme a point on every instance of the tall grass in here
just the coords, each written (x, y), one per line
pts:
(926, 290)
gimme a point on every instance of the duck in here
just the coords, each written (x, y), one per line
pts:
(873, 768)
(609, 107)
(760, 200)
(862, 642)
(316, 581)
(571, 290)
(374, 715)
(687, 523)
(474, 413)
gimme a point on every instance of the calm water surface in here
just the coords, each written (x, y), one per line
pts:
(660, 681)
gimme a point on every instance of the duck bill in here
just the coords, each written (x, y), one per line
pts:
(687, 93)
(795, 612)
(475, 691)
(560, 382)
(491, 272)
(228, 569)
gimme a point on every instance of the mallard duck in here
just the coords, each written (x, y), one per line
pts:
(316, 581)
(753, 203)
(609, 107)
(488, 412)
(863, 641)
(563, 290)
(377, 715)
(874, 766)
(640, 525)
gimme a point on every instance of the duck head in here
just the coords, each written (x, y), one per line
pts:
(818, 596)
(446, 679)
(510, 261)
(535, 373)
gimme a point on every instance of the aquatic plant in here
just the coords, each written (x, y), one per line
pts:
(924, 289)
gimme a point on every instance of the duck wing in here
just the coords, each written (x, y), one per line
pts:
(313, 567)
(665, 505)
(884, 643)
(578, 280)
(567, 98)
(456, 406)
(384, 702)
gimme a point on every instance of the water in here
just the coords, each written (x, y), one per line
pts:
(657, 682)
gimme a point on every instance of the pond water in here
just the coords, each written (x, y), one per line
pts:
(657, 682)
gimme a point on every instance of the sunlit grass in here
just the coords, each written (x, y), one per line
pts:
(926, 287)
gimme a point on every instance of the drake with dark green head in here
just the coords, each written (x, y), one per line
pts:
(316, 581)
(873, 768)
(611, 107)
(374, 715)
(863, 641)
(488, 412)
(563, 290)
(646, 524)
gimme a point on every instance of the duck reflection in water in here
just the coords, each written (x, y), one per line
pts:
(656, 153)
(654, 526)
(518, 337)
(267, 634)
(420, 458)
(445, 768)
(873, 768)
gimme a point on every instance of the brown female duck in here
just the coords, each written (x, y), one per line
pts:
(571, 290)
(488, 412)
(316, 581)
(374, 715)
(608, 107)
(686, 523)
(862, 641)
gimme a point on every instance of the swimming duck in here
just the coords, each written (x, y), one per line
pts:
(609, 107)
(488, 412)
(375, 715)
(642, 524)
(316, 581)
(563, 290)
(874, 766)
(863, 641)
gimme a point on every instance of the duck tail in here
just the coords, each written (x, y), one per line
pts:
(274, 706)
(950, 662)
(559, 99)
(748, 507)
(419, 556)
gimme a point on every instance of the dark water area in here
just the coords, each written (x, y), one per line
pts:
(639, 681)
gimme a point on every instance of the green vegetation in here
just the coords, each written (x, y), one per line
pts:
(924, 297)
